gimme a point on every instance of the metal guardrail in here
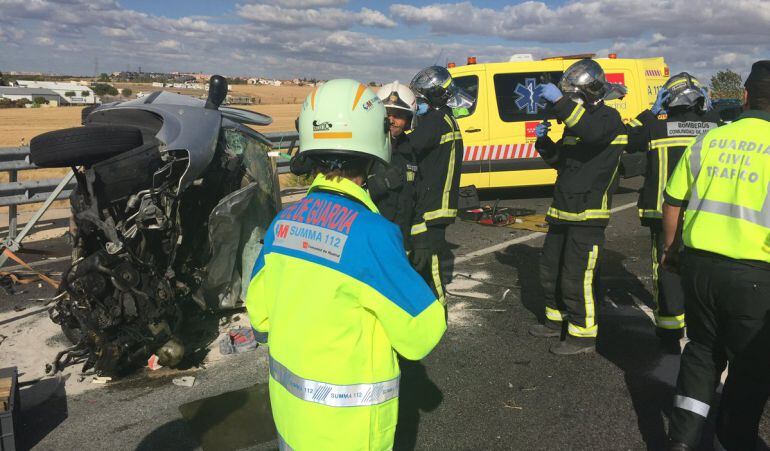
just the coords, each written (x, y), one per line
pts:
(15, 193)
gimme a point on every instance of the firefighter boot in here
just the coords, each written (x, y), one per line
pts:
(572, 346)
(544, 331)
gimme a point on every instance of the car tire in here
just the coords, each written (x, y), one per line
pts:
(82, 146)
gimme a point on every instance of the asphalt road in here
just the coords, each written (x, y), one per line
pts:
(488, 385)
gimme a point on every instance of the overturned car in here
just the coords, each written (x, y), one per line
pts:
(173, 198)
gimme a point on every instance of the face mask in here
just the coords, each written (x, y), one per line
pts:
(422, 108)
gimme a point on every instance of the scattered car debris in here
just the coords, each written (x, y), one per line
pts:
(152, 363)
(184, 381)
(101, 380)
(237, 340)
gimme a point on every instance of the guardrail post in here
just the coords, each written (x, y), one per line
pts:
(13, 220)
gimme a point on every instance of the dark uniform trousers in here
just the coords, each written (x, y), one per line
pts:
(666, 286)
(569, 275)
(728, 319)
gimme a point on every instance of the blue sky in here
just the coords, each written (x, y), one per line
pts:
(369, 40)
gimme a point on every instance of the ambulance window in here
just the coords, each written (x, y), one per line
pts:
(518, 95)
(469, 84)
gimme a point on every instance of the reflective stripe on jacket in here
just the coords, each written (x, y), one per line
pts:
(664, 141)
(335, 291)
(724, 177)
(587, 159)
(437, 144)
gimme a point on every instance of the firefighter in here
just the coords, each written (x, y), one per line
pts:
(718, 197)
(437, 146)
(392, 187)
(681, 111)
(334, 288)
(586, 159)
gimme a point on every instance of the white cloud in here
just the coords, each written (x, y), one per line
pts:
(169, 44)
(314, 38)
(588, 20)
(324, 18)
(44, 40)
(309, 3)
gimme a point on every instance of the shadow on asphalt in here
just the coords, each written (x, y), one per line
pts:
(417, 394)
(526, 260)
(628, 340)
(172, 436)
(43, 409)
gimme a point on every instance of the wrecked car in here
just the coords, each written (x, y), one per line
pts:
(173, 198)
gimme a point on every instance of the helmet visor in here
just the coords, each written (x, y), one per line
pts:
(460, 99)
(615, 91)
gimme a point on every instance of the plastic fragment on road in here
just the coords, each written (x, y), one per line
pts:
(184, 381)
(152, 363)
(101, 380)
(237, 340)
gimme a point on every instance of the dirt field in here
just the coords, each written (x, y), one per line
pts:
(263, 95)
(17, 124)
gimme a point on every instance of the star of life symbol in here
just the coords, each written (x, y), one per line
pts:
(528, 96)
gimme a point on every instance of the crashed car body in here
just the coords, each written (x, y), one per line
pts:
(173, 198)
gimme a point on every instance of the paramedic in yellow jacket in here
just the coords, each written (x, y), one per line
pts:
(335, 290)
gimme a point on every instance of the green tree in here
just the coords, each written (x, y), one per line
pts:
(726, 84)
(2, 80)
(22, 102)
(126, 92)
(40, 100)
(102, 89)
(69, 94)
(104, 77)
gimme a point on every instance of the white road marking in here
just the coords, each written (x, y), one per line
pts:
(521, 239)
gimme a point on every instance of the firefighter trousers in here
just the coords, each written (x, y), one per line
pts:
(432, 276)
(667, 288)
(569, 276)
(728, 320)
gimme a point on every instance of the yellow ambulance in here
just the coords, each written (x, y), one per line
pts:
(499, 129)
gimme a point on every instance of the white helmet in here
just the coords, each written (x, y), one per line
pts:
(397, 96)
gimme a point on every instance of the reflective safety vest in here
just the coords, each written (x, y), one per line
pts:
(724, 178)
(334, 289)
(663, 140)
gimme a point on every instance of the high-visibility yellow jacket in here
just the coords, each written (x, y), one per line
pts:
(334, 289)
(724, 177)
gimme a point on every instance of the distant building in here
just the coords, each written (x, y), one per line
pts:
(15, 93)
(83, 94)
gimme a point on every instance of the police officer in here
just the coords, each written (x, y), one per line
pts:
(335, 290)
(721, 185)
(586, 158)
(681, 111)
(437, 145)
(392, 186)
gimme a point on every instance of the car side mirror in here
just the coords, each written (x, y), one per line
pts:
(217, 92)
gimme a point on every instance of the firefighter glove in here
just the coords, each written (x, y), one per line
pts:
(550, 92)
(660, 101)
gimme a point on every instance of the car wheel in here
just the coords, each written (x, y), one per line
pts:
(82, 146)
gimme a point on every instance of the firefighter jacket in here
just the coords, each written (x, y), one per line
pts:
(722, 182)
(437, 145)
(334, 289)
(664, 139)
(586, 159)
(392, 188)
